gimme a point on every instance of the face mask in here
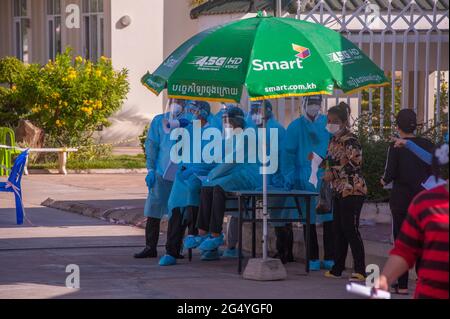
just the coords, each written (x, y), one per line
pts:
(312, 110)
(175, 109)
(227, 130)
(257, 118)
(333, 128)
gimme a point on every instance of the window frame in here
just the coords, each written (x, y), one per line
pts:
(21, 21)
(51, 35)
(93, 19)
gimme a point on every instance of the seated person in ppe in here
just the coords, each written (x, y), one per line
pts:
(217, 119)
(256, 119)
(230, 175)
(305, 135)
(184, 198)
(157, 150)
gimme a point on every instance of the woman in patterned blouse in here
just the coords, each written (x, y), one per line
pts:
(343, 163)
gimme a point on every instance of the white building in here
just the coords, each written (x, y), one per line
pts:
(408, 39)
(136, 34)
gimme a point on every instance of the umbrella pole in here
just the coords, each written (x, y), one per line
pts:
(264, 268)
(264, 150)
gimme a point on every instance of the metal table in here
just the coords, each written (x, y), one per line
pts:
(244, 197)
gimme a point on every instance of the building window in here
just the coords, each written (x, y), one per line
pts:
(53, 28)
(21, 29)
(93, 26)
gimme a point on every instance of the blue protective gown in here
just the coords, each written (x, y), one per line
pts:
(157, 150)
(235, 176)
(186, 192)
(304, 136)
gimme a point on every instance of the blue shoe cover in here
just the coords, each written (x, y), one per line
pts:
(211, 243)
(314, 265)
(167, 260)
(209, 255)
(230, 253)
(327, 264)
(191, 242)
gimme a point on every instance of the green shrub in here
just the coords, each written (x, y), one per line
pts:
(12, 108)
(143, 137)
(71, 97)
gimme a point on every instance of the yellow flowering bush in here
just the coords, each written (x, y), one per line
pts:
(71, 97)
(11, 107)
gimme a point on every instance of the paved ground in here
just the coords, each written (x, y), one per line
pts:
(34, 258)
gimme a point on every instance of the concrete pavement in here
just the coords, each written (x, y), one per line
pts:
(34, 257)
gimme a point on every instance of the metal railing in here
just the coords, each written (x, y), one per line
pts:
(410, 44)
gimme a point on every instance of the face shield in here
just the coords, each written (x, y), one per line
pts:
(232, 118)
(174, 115)
(200, 110)
(312, 105)
(257, 114)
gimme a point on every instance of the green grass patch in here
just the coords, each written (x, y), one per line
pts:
(114, 161)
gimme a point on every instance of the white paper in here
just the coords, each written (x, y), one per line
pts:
(171, 171)
(431, 182)
(368, 292)
(389, 186)
(315, 163)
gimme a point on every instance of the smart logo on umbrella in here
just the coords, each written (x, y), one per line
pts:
(303, 52)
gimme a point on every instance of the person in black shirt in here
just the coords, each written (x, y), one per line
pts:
(407, 173)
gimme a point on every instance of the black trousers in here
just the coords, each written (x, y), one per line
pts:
(398, 216)
(346, 215)
(152, 233)
(328, 241)
(177, 227)
(212, 209)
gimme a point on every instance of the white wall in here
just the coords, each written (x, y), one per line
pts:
(137, 47)
(157, 28)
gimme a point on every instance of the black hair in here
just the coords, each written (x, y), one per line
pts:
(406, 120)
(342, 111)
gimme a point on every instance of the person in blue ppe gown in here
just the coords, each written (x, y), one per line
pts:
(257, 118)
(304, 136)
(217, 119)
(230, 175)
(157, 151)
(184, 198)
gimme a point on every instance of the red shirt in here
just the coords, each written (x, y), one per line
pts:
(424, 237)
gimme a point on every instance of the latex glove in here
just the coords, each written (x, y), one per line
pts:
(150, 178)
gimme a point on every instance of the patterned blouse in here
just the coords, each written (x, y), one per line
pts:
(344, 161)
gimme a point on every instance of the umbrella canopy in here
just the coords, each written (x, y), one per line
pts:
(272, 57)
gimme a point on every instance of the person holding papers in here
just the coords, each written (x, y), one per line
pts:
(157, 153)
(424, 239)
(344, 171)
(306, 136)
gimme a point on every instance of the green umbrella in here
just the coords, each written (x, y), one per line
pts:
(271, 57)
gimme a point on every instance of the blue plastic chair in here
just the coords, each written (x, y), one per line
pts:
(12, 185)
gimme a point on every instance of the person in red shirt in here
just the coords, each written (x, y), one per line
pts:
(424, 236)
